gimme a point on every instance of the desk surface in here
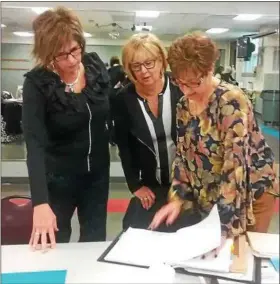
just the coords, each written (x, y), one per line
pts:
(80, 261)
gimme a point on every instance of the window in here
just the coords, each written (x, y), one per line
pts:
(249, 66)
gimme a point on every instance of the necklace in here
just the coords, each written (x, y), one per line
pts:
(70, 86)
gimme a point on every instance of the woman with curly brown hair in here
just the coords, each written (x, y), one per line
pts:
(65, 107)
(222, 157)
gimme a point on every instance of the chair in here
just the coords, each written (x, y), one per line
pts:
(16, 220)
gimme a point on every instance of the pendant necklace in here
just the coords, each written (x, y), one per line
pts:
(70, 86)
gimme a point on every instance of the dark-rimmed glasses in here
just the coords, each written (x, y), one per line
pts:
(75, 51)
(188, 85)
(148, 64)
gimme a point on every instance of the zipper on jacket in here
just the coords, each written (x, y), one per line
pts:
(157, 168)
(89, 133)
(147, 147)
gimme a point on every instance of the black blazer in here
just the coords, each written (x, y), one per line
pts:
(65, 133)
(134, 140)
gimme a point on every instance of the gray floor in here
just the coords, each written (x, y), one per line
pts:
(114, 220)
(16, 151)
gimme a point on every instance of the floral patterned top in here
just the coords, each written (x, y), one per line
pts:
(222, 158)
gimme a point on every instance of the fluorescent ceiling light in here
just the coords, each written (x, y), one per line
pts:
(147, 14)
(114, 34)
(247, 17)
(217, 30)
(143, 28)
(23, 34)
(87, 34)
(3, 26)
(39, 10)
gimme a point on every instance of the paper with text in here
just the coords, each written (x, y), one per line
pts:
(145, 247)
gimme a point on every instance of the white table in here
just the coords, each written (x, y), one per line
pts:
(80, 261)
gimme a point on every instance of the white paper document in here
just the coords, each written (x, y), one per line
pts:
(247, 276)
(264, 244)
(221, 263)
(146, 247)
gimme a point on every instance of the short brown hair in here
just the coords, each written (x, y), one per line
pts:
(53, 29)
(194, 52)
(139, 41)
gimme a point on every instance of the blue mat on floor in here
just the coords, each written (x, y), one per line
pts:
(40, 277)
(270, 131)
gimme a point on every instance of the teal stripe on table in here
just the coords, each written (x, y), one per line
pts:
(270, 131)
(38, 277)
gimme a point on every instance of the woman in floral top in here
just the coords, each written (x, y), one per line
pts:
(222, 157)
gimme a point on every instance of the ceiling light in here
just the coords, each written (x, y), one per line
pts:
(247, 17)
(143, 28)
(147, 14)
(87, 34)
(3, 26)
(23, 34)
(39, 10)
(114, 34)
(217, 30)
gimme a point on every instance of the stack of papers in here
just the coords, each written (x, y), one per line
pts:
(264, 245)
(181, 249)
(221, 263)
(247, 276)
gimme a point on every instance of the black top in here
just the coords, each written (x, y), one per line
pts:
(65, 132)
(143, 153)
(116, 74)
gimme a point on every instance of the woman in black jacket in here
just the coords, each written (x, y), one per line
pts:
(65, 107)
(145, 125)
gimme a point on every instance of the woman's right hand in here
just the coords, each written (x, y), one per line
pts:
(168, 213)
(146, 196)
(44, 222)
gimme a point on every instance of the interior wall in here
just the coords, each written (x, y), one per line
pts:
(17, 60)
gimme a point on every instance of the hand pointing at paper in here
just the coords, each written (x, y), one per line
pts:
(168, 214)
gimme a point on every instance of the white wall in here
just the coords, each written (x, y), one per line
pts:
(13, 71)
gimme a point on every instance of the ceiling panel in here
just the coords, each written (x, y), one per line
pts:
(176, 18)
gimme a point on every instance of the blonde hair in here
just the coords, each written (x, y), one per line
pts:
(142, 41)
(52, 30)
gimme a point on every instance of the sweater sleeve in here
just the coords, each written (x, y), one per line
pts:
(35, 134)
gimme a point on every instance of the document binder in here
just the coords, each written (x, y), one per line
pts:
(239, 263)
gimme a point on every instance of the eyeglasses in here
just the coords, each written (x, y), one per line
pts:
(75, 51)
(187, 85)
(149, 64)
